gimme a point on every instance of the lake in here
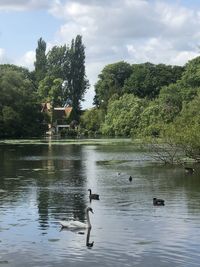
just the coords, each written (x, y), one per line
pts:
(45, 181)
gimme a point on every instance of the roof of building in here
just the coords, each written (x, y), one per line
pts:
(62, 111)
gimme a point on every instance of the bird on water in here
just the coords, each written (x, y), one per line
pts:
(93, 196)
(73, 225)
(158, 202)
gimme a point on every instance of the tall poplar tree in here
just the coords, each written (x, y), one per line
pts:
(41, 61)
(76, 83)
(65, 64)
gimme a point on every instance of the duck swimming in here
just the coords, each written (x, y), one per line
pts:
(158, 202)
(93, 196)
(77, 224)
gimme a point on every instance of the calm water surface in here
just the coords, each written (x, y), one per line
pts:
(44, 182)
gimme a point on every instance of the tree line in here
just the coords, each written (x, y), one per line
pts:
(155, 101)
(148, 101)
(58, 77)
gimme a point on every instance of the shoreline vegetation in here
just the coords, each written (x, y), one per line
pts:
(156, 104)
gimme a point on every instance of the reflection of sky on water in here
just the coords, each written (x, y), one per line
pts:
(90, 168)
(42, 185)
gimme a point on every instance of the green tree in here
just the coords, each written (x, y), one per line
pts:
(75, 82)
(51, 90)
(41, 61)
(170, 102)
(110, 82)
(190, 80)
(65, 81)
(151, 122)
(162, 111)
(191, 75)
(187, 128)
(91, 120)
(19, 110)
(56, 93)
(147, 79)
(11, 122)
(57, 61)
(123, 116)
(181, 137)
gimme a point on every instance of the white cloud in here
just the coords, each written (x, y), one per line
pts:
(180, 58)
(159, 50)
(22, 5)
(175, 17)
(136, 31)
(3, 57)
(132, 30)
(114, 21)
(106, 32)
(1, 53)
(27, 60)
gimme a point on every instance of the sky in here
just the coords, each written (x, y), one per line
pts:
(134, 31)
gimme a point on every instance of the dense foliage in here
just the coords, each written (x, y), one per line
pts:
(123, 116)
(111, 81)
(91, 121)
(147, 79)
(156, 101)
(142, 80)
(59, 78)
(65, 79)
(20, 114)
(41, 61)
(140, 100)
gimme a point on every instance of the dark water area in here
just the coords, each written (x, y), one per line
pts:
(42, 183)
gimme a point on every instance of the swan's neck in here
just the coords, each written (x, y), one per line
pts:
(88, 219)
(90, 191)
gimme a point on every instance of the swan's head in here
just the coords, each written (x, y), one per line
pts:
(89, 190)
(89, 209)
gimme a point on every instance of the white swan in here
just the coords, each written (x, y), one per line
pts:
(77, 224)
